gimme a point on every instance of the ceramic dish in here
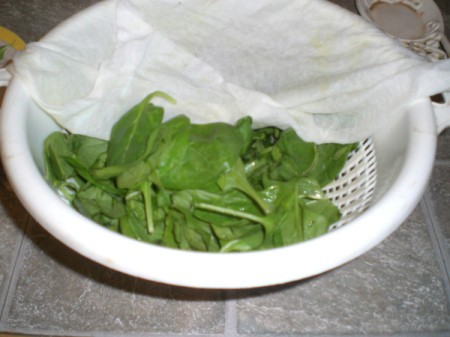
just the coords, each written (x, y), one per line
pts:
(418, 24)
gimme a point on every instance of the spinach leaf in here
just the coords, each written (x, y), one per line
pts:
(203, 187)
(67, 158)
(91, 201)
(86, 175)
(318, 216)
(197, 234)
(244, 126)
(330, 162)
(134, 134)
(235, 178)
(261, 155)
(196, 155)
(88, 150)
(246, 238)
(134, 176)
(287, 219)
(306, 159)
(133, 224)
(57, 148)
(297, 157)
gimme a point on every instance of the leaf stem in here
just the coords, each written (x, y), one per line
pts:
(232, 212)
(161, 94)
(147, 193)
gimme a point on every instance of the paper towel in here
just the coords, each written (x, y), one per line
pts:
(305, 64)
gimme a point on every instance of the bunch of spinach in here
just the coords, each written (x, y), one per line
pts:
(204, 187)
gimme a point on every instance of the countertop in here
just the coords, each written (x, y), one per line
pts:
(399, 288)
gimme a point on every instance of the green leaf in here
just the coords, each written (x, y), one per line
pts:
(319, 215)
(235, 205)
(235, 178)
(287, 217)
(3, 51)
(244, 126)
(306, 159)
(260, 155)
(146, 191)
(133, 224)
(251, 239)
(196, 155)
(83, 172)
(57, 147)
(330, 162)
(87, 150)
(134, 176)
(134, 135)
(202, 187)
(297, 157)
(92, 201)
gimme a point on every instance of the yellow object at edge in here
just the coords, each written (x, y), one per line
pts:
(11, 39)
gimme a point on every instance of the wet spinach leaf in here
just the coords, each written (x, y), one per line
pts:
(205, 187)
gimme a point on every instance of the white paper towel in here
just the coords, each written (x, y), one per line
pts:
(305, 64)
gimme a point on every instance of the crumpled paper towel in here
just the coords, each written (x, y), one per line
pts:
(305, 64)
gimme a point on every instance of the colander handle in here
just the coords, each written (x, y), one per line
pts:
(442, 113)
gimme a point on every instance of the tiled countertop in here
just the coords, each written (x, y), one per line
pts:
(400, 288)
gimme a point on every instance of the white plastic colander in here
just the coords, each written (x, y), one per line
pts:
(379, 187)
(353, 189)
(419, 26)
(376, 191)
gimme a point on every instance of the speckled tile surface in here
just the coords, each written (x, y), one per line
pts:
(443, 149)
(440, 197)
(400, 288)
(32, 19)
(75, 294)
(12, 222)
(394, 288)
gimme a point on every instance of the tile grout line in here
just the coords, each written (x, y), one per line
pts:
(436, 233)
(442, 162)
(230, 329)
(19, 332)
(437, 240)
(12, 277)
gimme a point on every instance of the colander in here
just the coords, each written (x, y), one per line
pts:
(376, 191)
